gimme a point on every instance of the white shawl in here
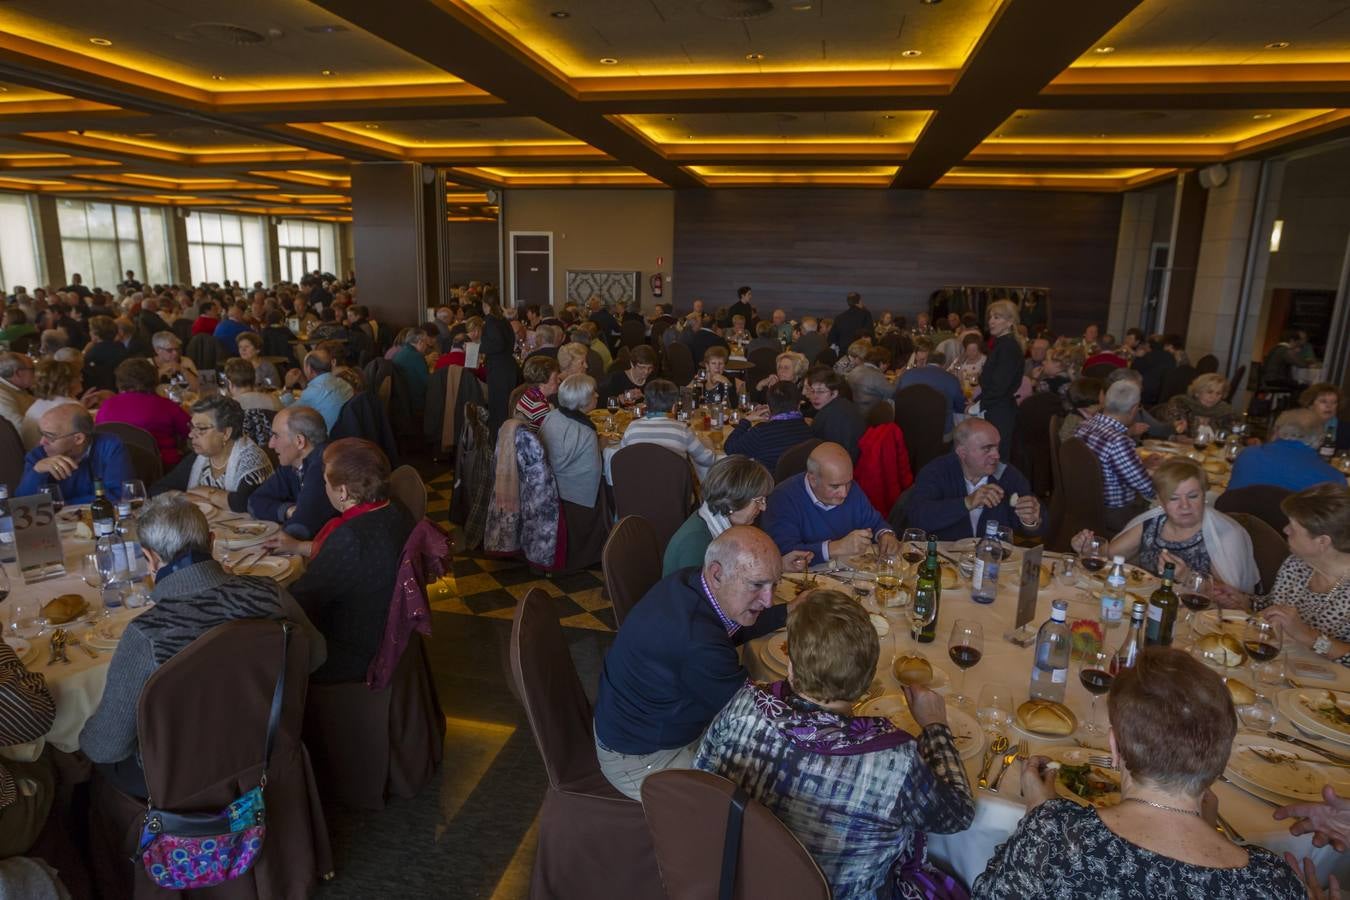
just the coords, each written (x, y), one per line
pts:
(246, 458)
(1229, 547)
(716, 522)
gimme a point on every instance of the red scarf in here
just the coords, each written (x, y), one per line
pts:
(332, 524)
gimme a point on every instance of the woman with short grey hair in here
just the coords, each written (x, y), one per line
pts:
(169, 359)
(573, 447)
(224, 467)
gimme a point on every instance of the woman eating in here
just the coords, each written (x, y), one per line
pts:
(859, 793)
(136, 403)
(735, 492)
(353, 560)
(170, 362)
(1160, 842)
(1311, 596)
(251, 350)
(224, 467)
(970, 362)
(573, 447)
(625, 386)
(1183, 532)
(1203, 400)
(717, 386)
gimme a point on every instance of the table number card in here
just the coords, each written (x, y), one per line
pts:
(37, 538)
(1029, 590)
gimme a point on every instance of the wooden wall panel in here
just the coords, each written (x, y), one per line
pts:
(803, 250)
(471, 251)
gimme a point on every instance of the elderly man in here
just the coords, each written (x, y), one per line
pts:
(1125, 480)
(295, 494)
(674, 664)
(170, 361)
(323, 390)
(16, 387)
(1290, 459)
(658, 428)
(837, 418)
(192, 595)
(811, 343)
(781, 328)
(71, 456)
(231, 327)
(547, 339)
(823, 511)
(1037, 350)
(956, 495)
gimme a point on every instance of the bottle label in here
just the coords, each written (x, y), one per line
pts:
(1113, 608)
(1059, 676)
(1155, 613)
(102, 528)
(977, 579)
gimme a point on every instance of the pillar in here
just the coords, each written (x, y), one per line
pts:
(398, 230)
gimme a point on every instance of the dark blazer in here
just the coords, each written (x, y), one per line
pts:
(810, 344)
(937, 502)
(847, 326)
(100, 362)
(701, 340)
(842, 422)
(151, 323)
(305, 490)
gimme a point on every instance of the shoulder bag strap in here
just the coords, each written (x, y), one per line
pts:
(274, 717)
(731, 845)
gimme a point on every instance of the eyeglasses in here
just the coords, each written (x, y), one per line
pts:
(202, 429)
(50, 438)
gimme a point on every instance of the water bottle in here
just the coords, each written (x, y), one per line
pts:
(1050, 671)
(988, 557)
(8, 548)
(1113, 598)
(131, 564)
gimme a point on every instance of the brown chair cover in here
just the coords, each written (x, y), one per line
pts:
(622, 360)
(632, 333)
(1030, 449)
(680, 366)
(130, 435)
(587, 529)
(201, 723)
(655, 483)
(1260, 500)
(370, 745)
(686, 811)
(881, 413)
(920, 412)
(204, 351)
(1083, 494)
(793, 460)
(593, 841)
(406, 486)
(632, 564)
(1268, 547)
(11, 456)
(1175, 382)
(595, 366)
(147, 464)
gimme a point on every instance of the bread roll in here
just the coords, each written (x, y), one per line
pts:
(1046, 717)
(1045, 575)
(881, 625)
(913, 670)
(1241, 693)
(1222, 649)
(64, 608)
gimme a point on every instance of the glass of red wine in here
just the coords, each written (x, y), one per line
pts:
(1095, 675)
(1263, 641)
(1093, 554)
(912, 545)
(1196, 593)
(965, 647)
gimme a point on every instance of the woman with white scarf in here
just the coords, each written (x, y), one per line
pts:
(1183, 532)
(224, 466)
(735, 492)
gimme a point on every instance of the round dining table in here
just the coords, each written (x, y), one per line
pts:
(1009, 665)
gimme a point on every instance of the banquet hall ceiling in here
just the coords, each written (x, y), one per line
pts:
(262, 105)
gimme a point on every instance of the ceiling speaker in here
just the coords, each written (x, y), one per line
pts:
(1213, 176)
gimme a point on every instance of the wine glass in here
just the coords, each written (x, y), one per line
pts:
(1005, 540)
(920, 617)
(912, 542)
(888, 582)
(133, 492)
(1093, 556)
(612, 404)
(1262, 640)
(994, 708)
(1202, 434)
(965, 647)
(1196, 592)
(53, 491)
(25, 618)
(1095, 675)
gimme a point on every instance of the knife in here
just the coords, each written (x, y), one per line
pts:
(1308, 745)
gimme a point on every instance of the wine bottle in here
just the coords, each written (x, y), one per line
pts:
(1162, 611)
(1133, 645)
(928, 592)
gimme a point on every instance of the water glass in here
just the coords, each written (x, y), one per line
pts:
(96, 570)
(1259, 715)
(133, 492)
(994, 707)
(1067, 573)
(25, 618)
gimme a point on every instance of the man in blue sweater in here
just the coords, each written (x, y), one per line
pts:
(1290, 460)
(929, 370)
(71, 456)
(765, 437)
(823, 511)
(675, 664)
(955, 495)
(295, 494)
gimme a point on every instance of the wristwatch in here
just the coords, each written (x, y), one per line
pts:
(1322, 646)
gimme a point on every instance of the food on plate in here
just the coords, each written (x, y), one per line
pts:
(1328, 709)
(1046, 717)
(1136, 575)
(1241, 692)
(1098, 786)
(1012, 501)
(1222, 649)
(881, 625)
(65, 608)
(913, 670)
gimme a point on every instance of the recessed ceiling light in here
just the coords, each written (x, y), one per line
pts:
(1104, 50)
(327, 73)
(608, 61)
(217, 77)
(800, 6)
(4, 90)
(372, 125)
(1261, 116)
(930, 2)
(1019, 115)
(100, 42)
(1277, 45)
(670, 118)
(561, 14)
(1101, 134)
(754, 57)
(911, 53)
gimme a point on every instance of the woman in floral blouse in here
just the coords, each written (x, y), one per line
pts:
(859, 793)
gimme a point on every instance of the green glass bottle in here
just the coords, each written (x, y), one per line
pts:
(1162, 611)
(928, 592)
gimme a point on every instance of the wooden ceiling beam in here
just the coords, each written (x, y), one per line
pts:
(1028, 44)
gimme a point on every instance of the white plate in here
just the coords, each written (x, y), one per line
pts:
(770, 663)
(1077, 756)
(1291, 702)
(1293, 779)
(965, 730)
(21, 646)
(236, 535)
(775, 649)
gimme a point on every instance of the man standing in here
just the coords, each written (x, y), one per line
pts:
(742, 306)
(675, 664)
(852, 323)
(1125, 481)
(957, 494)
(295, 494)
(837, 418)
(71, 456)
(323, 391)
(823, 511)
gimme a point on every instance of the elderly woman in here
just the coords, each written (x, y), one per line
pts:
(54, 383)
(1325, 400)
(717, 386)
(251, 350)
(969, 363)
(1001, 373)
(859, 793)
(353, 560)
(1203, 399)
(854, 356)
(573, 447)
(170, 361)
(625, 386)
(541, 376)
(224, 467)
(411, 361)
(1181, 531)
(1311, 596)
(136, 403)
(789, 366)
(571, 359)
(1160, 841)
(657, 427)
(734, 493)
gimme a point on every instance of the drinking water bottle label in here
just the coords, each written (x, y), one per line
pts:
(1113, 609)
(1059, 676)
(977, 579)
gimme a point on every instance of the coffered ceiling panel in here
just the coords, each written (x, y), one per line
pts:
(1216, 126)
(884, 126)
(518, 131)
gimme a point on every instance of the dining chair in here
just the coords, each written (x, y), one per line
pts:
(1260, 500)
(1084, 498)
(1207, 364)
(148, 465)
(793, 460)
(680, 366)
(654, 483)
(631, 562)
(1268, 548)
(920, 411)
(129, 434)
(204, 351)
(592, 840)
(686, 811)
(1030, 449)
(11, 456)
(406, 486)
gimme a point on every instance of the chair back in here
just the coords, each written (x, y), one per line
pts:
(656, 484)
(632, 333)
(11, 456)
(595, 365)
(793, 460)
(516, 393)
(1100, 370)
(182, 328)
(920, 412)
(680, 366)
(130, 435)
(148, 466)
(1206, 364)
(631, 562)
(1030, 450)
(686, 811)
(826, 357)
(1175, 382)
(880, 413)
(204, 351)
(1268, 547)
(23, 343)
(1056, 511)
(406, 486)
(1259, 500)
(555, 704)
(1083, 497)
(622, 360)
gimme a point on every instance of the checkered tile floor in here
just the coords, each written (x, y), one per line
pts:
(481, 586)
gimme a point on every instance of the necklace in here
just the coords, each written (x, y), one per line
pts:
(1175, 809)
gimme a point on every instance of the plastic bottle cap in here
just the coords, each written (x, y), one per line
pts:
(1118, 560)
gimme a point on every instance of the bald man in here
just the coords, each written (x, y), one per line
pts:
(957, 495)
(675, 662)
(823, 511)
(71, 456)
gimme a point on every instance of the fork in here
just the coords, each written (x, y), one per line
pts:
(1101, 762)
(1018, 752)
(1233, 833)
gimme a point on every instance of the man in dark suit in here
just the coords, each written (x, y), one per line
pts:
(701, 340)
(150, 321)
(852, 323)
(605, 321)
(811, 342)
(837, 418)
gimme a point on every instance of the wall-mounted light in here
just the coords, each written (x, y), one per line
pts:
(1276, 232)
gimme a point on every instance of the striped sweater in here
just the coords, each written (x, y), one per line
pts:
(26, 712)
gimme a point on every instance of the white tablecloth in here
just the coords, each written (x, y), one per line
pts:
(1004, 663)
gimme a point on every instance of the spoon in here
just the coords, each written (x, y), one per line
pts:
(995, 748)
